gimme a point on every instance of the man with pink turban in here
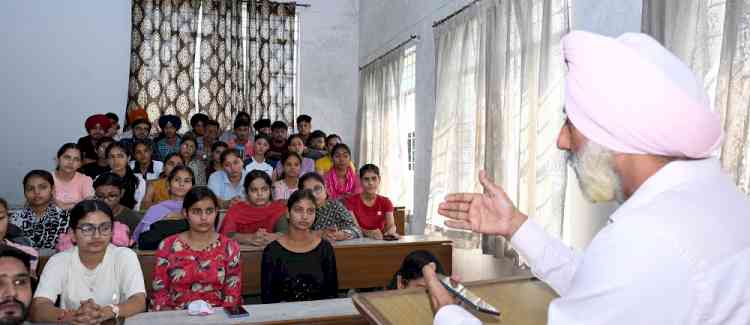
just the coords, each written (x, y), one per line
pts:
(96, 127)
(640, 130)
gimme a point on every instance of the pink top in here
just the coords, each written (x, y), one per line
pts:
(67, 194)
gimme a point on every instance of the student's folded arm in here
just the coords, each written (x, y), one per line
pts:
(160, 298)
(51, 284)
(232, 291)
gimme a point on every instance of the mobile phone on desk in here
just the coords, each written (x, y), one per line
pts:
(236, 311)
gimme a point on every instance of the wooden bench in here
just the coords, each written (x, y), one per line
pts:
(360, 263)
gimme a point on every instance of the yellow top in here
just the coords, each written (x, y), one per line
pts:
(161, 192)
(324, 164)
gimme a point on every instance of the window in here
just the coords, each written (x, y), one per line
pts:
(278, 80)
(407, 127)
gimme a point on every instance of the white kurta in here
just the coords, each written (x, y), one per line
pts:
(676, 252)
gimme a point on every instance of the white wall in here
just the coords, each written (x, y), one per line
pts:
(384, 24)
(65, 60)
(61, 61)
(328, 62)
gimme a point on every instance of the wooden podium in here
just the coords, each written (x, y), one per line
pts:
(521, 301)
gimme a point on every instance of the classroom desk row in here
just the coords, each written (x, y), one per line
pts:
(521, 300)
(360, 263)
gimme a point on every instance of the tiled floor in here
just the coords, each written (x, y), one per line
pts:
(472, 265)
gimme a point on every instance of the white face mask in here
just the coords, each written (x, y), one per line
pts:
(594, 166)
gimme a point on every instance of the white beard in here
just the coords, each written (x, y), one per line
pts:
(594, 166)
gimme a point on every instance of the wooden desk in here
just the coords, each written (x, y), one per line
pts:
(331, 311)
(360, 263)
(521, 301)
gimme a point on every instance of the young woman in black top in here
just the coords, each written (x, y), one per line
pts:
(299, 266)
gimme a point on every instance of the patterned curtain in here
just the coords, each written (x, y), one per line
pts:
(272, 37)
(222, 65)
(161, 57)
(713, 38)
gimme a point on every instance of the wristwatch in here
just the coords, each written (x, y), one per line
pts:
(115, 310)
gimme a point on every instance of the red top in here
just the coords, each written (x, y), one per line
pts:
(369, 218)
(182, 275)
(247, 219)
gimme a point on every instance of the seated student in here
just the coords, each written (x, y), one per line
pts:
(242, 142)
(109, 188)
(332, 219)
(374, 212)
(295, 145)
(71, 186)
(187, 151)
(299, 266)
(11, 235)
(324, 164)
(229, 135)
(279, 134)
(16, 277)
(262, 126)
(410, 274)
(315, 145)
(179, 279)
(143, 165)
(141, 131)
(101, 165)
(135, 187)
(227, 183)
(209, 139)
(258, 160)
(114, 128)
(214, 163)
(284, 187)
(180, 182)
(158, 190)
(342, 180)
(258, 220)
(41, 221)
(96, 127)
(170, 141)
(95, 280)
(198, 124)
(304, 126)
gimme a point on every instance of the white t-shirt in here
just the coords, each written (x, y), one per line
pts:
(264, 166)
(116, 279)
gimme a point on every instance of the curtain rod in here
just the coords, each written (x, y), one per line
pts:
(435, 24)
(304, 5)
(412, 37)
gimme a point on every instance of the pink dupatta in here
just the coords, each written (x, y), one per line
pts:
(336, 189)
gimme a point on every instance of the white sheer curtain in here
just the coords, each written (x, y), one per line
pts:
(458, 136)
(381, 110)
(525, 99)
(713, 38)
(499, 108)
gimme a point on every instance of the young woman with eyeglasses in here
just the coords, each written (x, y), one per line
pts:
(332, 220)
(95, 280)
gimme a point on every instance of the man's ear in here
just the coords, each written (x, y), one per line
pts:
(400, 282)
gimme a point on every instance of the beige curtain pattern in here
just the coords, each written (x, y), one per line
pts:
(222, 68)
(161, 57)
(713, 38)
(380, 117)
(270, 89)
